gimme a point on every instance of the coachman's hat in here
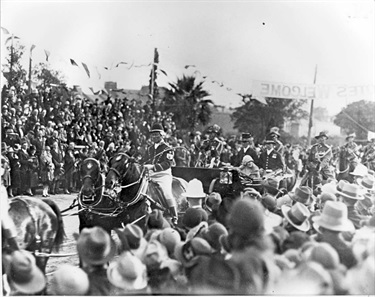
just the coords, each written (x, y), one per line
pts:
(274, 131)
(157, 127)
(245, 136)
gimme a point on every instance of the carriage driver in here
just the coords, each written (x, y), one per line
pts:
(158, 159)
(320, 156)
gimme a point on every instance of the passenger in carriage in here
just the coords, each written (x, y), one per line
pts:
(212, 147)
(248, 167)
(248, 148)
(158, 160)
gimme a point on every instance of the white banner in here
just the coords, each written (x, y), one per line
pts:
(311, 91)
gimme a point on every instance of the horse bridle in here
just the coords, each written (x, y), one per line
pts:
(121, 177)
(90, 177)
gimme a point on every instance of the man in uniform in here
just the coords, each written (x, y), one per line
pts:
(270, 160)
(213, 146)
(368, 157)
(158, 160)
(320, 156)
(275, 135)
(352, 151)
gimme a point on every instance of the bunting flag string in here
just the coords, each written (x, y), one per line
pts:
(118, 64)
(86, 69)
(47, 53)
(10, 38)
(73, 63)
(5, 31)
(95, 93)
(188, 66)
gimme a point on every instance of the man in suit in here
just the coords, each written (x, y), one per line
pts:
(248, 148)
(158, 160)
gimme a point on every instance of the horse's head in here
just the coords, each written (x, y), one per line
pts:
(90, 174)
(122, 171)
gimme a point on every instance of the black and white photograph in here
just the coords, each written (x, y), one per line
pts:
(187, 147)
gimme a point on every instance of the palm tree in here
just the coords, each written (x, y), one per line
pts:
(186, 100)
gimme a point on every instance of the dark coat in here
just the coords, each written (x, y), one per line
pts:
(273, 161)
(162, 157)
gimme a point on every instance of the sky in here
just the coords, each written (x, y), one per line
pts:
(229, 43)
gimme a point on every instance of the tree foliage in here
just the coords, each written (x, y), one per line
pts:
(13, 71)
(47, 76)
(186, 99)
(357, 117)
(258, 118)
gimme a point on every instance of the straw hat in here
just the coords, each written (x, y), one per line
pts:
(194, 189)
(128, 272)
(350, 191)
(95, 246)
(297, 215)
(360, 170)
(25, 275)
(368, 182)
(303, 195)
(334, 217)
(69, 280)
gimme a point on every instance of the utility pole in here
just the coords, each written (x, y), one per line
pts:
(152, 80)
(311, 111)
(30, 62)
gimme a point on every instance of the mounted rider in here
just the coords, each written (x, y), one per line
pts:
(212, 147)
(275, 135)
(368, 157)
(352, 150)
(158, 160)
(320, 156)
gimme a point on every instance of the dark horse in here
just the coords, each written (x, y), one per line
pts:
(346, 164)
(129, 194)
(39, 224)
(91, 193)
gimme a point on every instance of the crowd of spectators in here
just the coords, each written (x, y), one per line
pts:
(298, 244)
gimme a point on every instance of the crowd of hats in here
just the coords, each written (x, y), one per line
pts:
(306, 245)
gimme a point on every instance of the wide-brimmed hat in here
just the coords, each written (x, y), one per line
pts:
(302, 194)
(95, 246)
(360, 170)
(334, 217)
(194, 189)
(213, 200)
(169, 237)
(329, 188)
(128, 272)
(154, 254)
(368, 182)
(26, 276)
(193, 217)
(350, 191)
(321, 134)
(213, 233)
(69, 280)
(271, 185)
(188, 253)
(351, 135)
(131, 235)
(297, 215)
(157, 127)
(271, 220)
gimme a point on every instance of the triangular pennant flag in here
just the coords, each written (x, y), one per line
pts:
(118, 64)
(32, 47)
(5, 31)
(73, 63)
(10, 38)
(86, 69)
(162, 71)
(261, 100)
(104, 91)
(92, 90)
(187, 66)
(47, 54)
(97, 71)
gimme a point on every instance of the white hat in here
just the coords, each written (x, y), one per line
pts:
(360, 170)
(194, 189)
(69, 280)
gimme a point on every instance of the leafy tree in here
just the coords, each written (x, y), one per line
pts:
(357, 117)
(47, 76)
(13, 71)
(186, 99)
(258, 118)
